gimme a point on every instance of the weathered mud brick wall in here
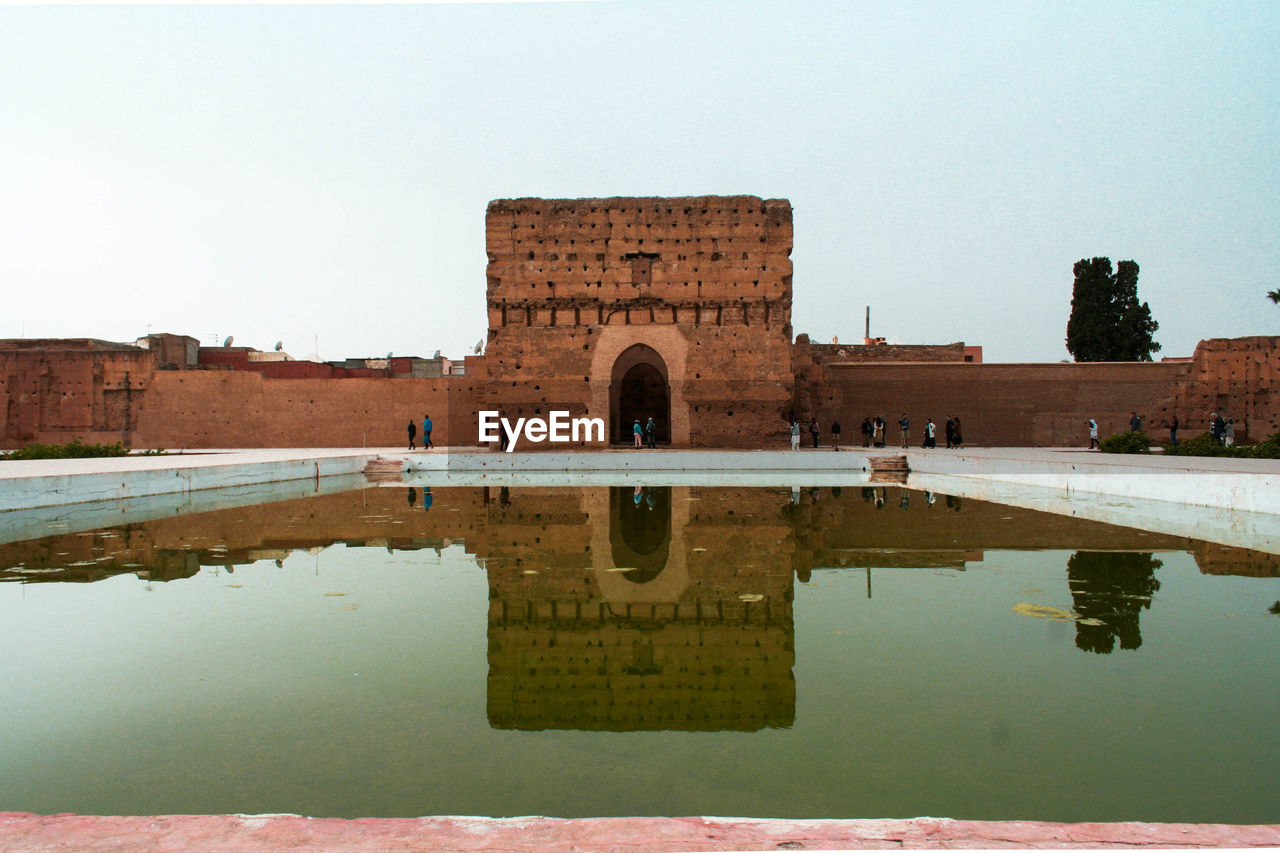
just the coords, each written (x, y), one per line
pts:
(1235, 377)
(1018, 405)
(53, 391)
(884, 352)
(623, 308)
(202, 409)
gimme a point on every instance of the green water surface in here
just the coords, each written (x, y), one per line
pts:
(424, 673)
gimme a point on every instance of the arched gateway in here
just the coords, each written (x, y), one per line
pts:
(639, 390)
(677, 309)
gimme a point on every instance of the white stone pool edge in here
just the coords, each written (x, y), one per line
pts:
(1239, 485)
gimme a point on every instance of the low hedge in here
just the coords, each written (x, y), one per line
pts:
(1205, 444)
(75, 449)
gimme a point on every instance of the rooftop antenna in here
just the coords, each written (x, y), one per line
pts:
(868, 334)
(228, 341)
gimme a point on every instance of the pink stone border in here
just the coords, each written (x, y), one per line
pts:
(28, 833)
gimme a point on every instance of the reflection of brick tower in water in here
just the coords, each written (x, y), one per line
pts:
(675, 616)
(677, 309)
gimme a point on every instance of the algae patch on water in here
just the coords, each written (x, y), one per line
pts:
(1044, 611)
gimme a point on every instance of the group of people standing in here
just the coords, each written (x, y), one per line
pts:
(426, 433)
(1222, 429)
(646, 436)
(814, 432)
(875, 432)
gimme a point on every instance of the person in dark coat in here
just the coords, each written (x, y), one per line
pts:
(1135, 422)
(1218, 428)
(413, 432)
(835, 435)
(957, 437)
(1173, 431)
(813, 431)
(651, 434)
(950, 428)
(867, 429)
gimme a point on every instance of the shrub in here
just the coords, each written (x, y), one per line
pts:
(1203, 444)
(1266, 449)
(1206, 445)
(1126, 442)
(76, 449)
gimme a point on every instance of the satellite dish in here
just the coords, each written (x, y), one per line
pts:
(479, 346)
(279, 345)
(388, 356)
(437, 355)
(228, 341)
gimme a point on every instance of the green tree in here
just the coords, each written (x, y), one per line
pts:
(1274, 296)
(1107, 322)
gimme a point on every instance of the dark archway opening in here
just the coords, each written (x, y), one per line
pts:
(639, 391)
(640, 530)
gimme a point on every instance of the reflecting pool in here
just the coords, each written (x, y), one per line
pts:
(642, 650)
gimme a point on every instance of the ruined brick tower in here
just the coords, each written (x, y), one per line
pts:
(628, 308)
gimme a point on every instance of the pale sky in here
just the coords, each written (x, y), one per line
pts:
(303, 173)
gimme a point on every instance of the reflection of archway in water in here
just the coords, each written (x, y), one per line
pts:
(638, 390)
(640, 530)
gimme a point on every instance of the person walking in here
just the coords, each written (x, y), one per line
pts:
(1093, 434)
(1135, 422)
(426, 432)
(1173, 431)
(1229, 433)
(413, 432)
(1217, 427)
(651, 434)
(877, 431)
(957, 437)
(904, 426)
(637, 433)
(866, 432)
(950, 427)
(795, 435)
(835, 435)
(813, 431)
(930, 434)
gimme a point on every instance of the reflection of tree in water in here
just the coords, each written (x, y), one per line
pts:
(1110, 589)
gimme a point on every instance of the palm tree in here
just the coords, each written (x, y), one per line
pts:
(1274, 296)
